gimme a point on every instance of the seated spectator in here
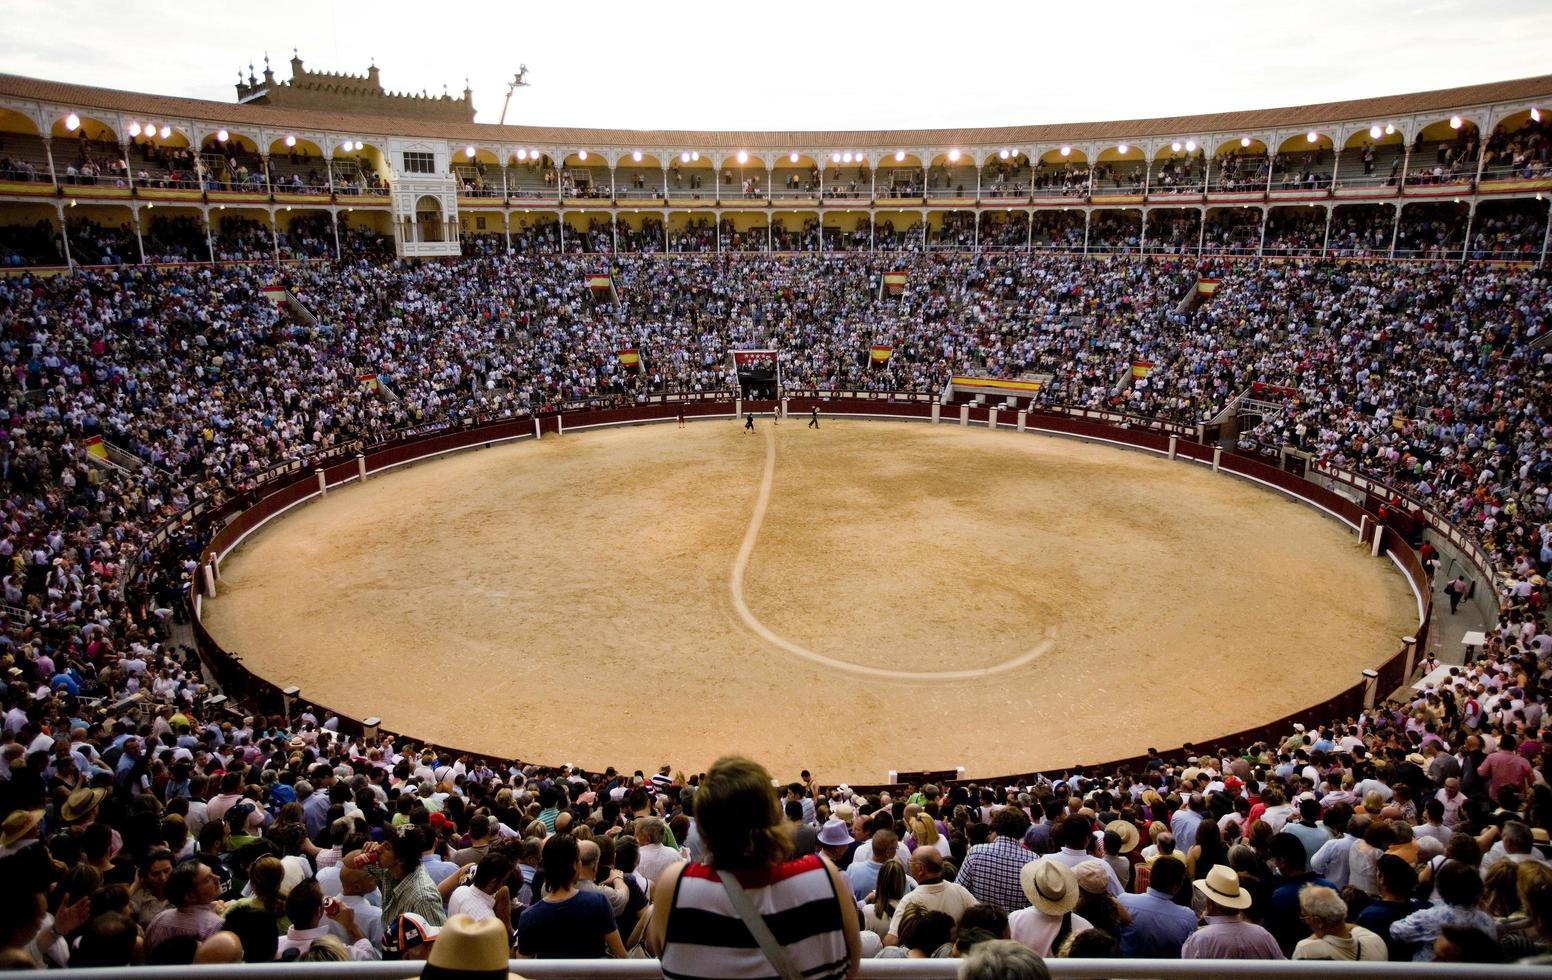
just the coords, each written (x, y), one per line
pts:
(1331, 938)
(1224, 935)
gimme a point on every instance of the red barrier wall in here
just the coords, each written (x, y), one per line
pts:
(285, 488)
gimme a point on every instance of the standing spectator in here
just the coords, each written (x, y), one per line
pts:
(1505, 768)
(741, 828)
(1159, 927)
(405, 885)
(1052, 892)
(992, 870)
(1284, 919)
(863, 875)
(931, 892)
(1397, 881)
(192, 889)
(1460, 890)
(567, 923)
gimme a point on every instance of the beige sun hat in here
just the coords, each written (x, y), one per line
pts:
(81, 804)
(1221, 887)
(465, 948)
(1128, 833)
(1050, 886)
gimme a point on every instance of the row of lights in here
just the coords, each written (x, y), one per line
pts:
(150, 130)
(73, 122)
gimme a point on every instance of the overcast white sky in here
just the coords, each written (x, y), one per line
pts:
(776, 64)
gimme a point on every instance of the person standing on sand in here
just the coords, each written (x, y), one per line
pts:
(749, 423)
(681, 415)
(813, 417)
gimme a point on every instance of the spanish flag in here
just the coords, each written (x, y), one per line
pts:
(629, 358)
(1398, 423)
(368, 381)
(600, 282)
(94, 446)
(881, 353)
(894, 282)
(1206, 287)
(1141, 369)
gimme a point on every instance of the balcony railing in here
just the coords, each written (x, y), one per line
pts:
(868, 969)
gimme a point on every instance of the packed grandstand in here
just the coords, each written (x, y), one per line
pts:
(175, 336)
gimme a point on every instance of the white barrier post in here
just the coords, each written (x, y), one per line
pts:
(1363, 526)
(1411, 660)
(215, 562)
(1379, 540)
(289, 695)
(1174, 445)
(738, 408)
(369, 730)
(538, 434)
(964, 414)
(560, 424)
(1023, 419)
(891, 777)
(784, 413)
(210, 581)
(1217, 457)
(1371, 683)
(361, 466)
(323, 484)
(937, 412)
(991, 418)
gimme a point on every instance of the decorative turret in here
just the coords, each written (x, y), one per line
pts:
(344, 92)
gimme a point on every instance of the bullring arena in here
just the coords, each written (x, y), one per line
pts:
(1002, 588)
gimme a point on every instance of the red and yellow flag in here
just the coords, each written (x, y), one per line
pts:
(881, 353)
(600, 282)
(1206, 287)
(367, 381)
(895, 281)
(630, 357)
(94, 446)
(1141, 369)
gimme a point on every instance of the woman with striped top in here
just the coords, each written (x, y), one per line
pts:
(804, 902)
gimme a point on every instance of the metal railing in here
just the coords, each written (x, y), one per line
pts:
(869, 969)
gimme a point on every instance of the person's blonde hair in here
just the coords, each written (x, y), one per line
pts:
(1500, 888)
(1531, 875)
(325, 949)
(739, 817)
(925, 830)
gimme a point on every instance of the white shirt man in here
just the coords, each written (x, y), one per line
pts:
(932, 893)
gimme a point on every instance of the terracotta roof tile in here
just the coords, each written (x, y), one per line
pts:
(236, 116)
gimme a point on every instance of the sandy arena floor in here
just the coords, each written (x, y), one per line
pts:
(913, 597)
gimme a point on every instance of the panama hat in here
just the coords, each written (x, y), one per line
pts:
(1221, 887)
(834, 833)
(81, 804)
(466, 950)
(1127, 831)
(19, 824)
(1050, 886)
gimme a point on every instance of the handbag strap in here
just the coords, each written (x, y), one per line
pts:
(773, 950)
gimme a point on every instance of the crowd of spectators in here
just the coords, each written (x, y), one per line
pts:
(144, 823)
